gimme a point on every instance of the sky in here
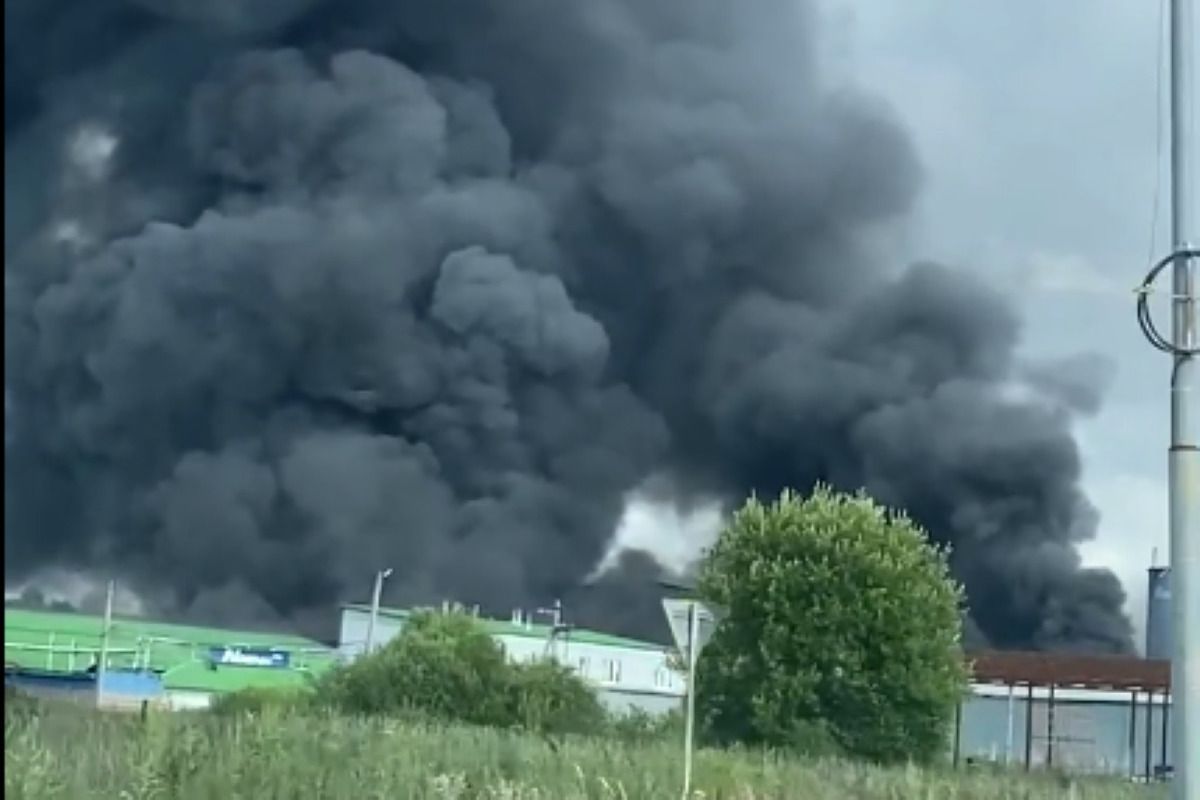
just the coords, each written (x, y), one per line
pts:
(1037, 124)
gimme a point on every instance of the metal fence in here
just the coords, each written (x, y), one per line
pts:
(1079, 730)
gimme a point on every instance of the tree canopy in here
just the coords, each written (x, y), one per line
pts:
(842, 631)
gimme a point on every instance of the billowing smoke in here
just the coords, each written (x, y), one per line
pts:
(299, 289)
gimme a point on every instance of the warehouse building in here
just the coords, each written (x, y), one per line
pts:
(1085, 714)
(57, 651)
(627, 674)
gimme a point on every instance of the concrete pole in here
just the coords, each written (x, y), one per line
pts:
(1184, 463)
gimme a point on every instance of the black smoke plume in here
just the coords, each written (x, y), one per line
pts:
(297, 289)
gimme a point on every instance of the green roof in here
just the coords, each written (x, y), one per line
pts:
(65, 641)
(497, 627)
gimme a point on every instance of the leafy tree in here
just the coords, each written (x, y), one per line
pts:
(843, 631)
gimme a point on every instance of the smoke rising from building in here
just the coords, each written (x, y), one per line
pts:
(297, 289)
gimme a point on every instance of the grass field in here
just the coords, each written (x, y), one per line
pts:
(72, 755)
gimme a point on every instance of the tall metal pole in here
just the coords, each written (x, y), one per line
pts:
(689, 720)
(1184, 463)
(376, 597)
(102, 658)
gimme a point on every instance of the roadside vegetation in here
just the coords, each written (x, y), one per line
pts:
(821, 682)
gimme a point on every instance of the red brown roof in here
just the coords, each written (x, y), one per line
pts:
(1068, 670)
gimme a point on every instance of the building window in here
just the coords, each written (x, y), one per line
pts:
(614, 671)
(662, 678)
(583, 665)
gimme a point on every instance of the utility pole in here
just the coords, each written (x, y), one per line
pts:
(102, 658)
(1183, 346)
(1184, 468)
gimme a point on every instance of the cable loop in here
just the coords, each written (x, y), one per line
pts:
(1146, 320)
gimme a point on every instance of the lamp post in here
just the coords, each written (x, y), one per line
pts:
(376, 595)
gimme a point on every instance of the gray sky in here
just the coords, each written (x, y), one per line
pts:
(1037, 123)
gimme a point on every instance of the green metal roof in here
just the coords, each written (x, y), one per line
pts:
(537, 631)
(57, 640)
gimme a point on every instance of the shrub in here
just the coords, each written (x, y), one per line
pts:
(548, 698)
(639, 727)
(842, 631)
(446, 667)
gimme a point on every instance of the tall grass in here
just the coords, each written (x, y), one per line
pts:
(70, 755)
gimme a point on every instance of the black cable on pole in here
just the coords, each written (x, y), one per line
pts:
(1146, 320)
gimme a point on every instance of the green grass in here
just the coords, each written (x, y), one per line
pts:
(72, 755)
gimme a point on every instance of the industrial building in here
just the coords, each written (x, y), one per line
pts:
(56, 653)
(1086, 714)
(627, 674)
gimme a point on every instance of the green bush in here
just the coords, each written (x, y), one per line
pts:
(546, 697)
(639, 727)
(842, 632)
(446, 667)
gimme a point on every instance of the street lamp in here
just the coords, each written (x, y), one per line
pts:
(376, 595)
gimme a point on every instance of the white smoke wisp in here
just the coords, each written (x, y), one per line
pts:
(675, 537)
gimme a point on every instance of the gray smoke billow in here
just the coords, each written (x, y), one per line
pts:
(296, 289)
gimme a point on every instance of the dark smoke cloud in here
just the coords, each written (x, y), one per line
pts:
(297, 290)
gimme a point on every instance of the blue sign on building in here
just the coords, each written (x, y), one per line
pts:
(249, 657)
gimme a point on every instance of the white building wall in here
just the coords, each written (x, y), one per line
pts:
(352, 633)
(630, 669)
